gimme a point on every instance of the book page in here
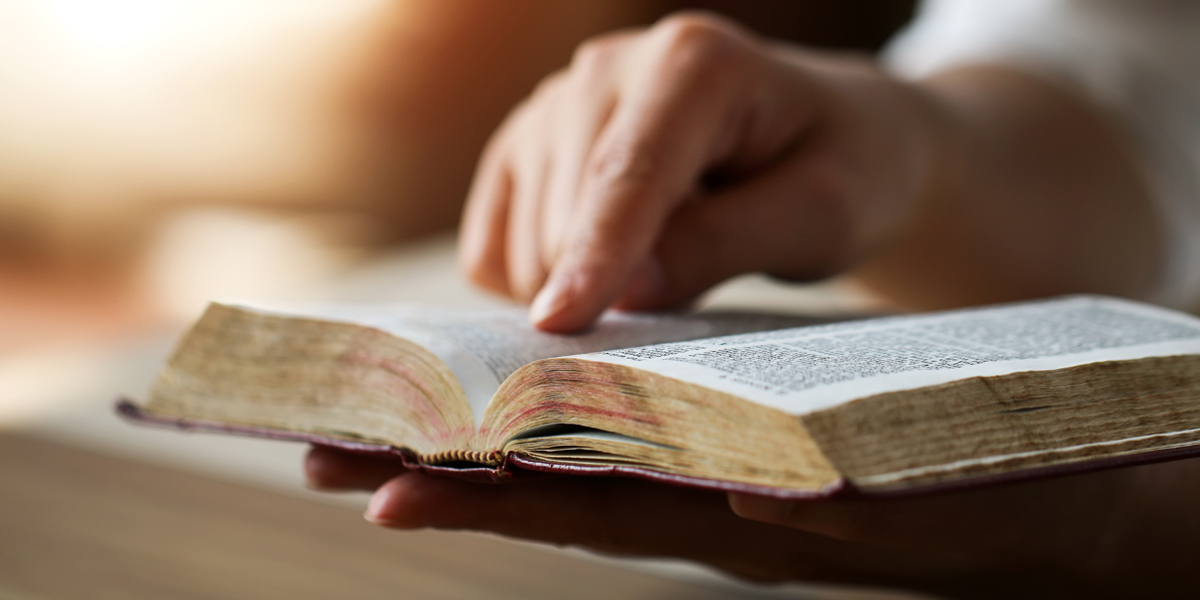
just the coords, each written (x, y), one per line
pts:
(812, 368)
(483, 347)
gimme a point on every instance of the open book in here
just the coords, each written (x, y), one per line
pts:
(881, 405)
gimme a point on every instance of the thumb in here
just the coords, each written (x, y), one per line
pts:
(793, 225)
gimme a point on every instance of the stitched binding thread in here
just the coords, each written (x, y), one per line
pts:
(491, 459)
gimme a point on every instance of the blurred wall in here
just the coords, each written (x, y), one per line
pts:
(138, 135)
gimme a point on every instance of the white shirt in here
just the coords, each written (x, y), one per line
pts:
(1140, 59)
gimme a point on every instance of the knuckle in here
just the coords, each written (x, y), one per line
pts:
(701, 54)
(698, 37)
(621, 163)
(591, 74)
(597, 53)
(620, 169)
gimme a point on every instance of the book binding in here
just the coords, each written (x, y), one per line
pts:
(517, 466)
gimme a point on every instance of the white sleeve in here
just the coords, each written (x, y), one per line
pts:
(1140, 59)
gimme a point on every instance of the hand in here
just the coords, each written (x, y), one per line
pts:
(1112, 532)
(664, 161)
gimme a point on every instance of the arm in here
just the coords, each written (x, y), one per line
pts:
(1035, 195)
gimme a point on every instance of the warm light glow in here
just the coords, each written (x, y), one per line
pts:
(207, 254)
(114, 30)
(117, 101)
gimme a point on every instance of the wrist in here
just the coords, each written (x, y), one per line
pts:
(1032, 192)
(893, 141)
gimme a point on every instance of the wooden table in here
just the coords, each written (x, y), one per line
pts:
(77, 524)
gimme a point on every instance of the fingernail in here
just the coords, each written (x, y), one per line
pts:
(550, 300)
(374, 513)
(375, 520)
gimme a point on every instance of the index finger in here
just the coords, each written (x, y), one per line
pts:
(688, 108)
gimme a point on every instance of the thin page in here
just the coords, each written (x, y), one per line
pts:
(807, 369)
(483, 347)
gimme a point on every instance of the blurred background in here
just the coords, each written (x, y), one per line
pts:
(157, 154)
